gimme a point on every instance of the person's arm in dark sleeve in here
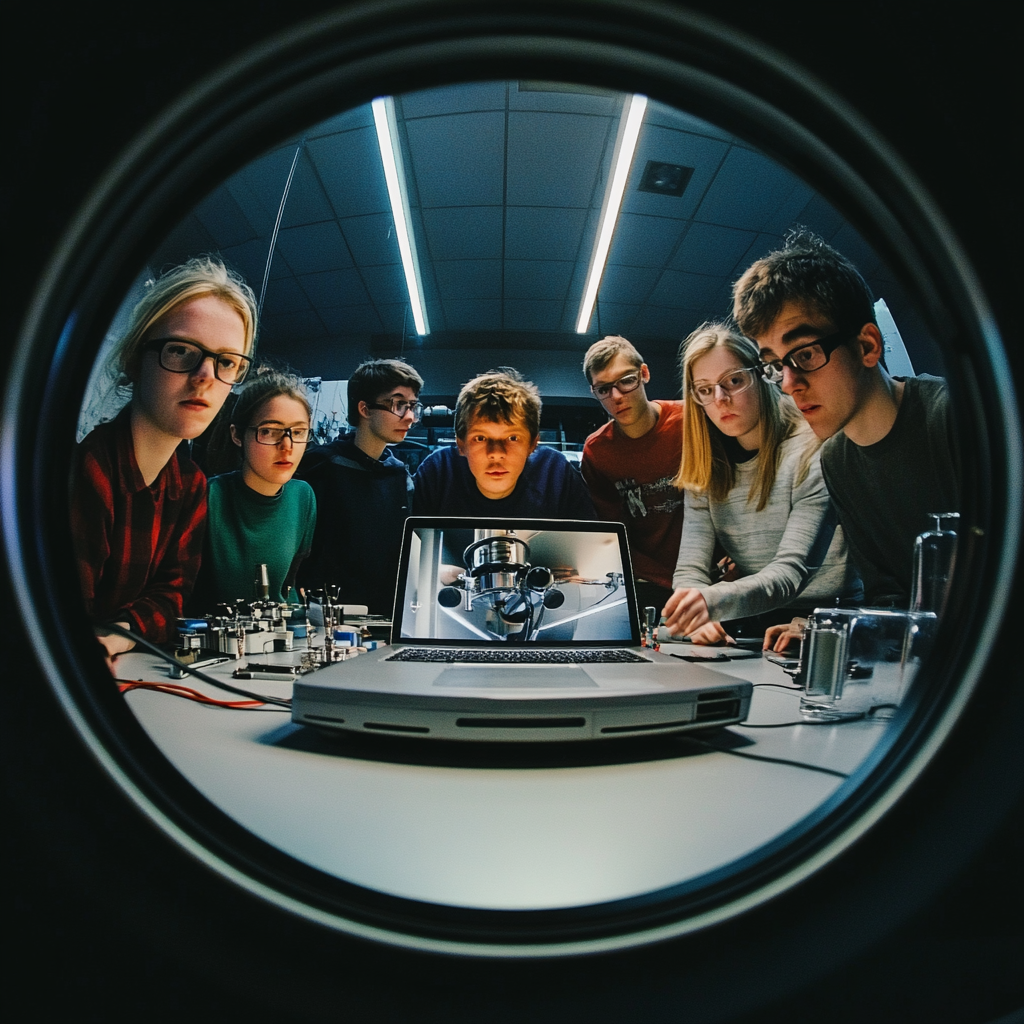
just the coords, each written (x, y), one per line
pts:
(425, 500)
(605, 498)
(575, 503)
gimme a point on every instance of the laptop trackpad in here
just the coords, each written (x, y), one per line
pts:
(554, 677)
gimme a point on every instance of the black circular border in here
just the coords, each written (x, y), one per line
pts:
(413, 45)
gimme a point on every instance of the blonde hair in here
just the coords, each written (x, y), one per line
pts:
(199, 277)
(602, 352)
(501, 396)
(705, 466)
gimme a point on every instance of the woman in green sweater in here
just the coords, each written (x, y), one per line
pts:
(259, 514)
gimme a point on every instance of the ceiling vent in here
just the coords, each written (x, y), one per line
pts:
(665, 179)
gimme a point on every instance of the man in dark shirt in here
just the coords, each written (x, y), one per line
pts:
(891, 457)
(498, 468)
(363, 491)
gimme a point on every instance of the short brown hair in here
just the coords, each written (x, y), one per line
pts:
(377, 377)
(500, 396)
(602, 352)
(806, 271)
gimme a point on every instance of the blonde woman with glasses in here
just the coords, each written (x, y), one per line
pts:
(754, 489)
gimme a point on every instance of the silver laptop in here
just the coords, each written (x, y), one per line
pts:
(516, 630)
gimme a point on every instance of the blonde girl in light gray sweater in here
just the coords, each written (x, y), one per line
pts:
(751, 470)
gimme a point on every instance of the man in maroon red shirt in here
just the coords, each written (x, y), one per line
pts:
(138, 508)
(630, 462)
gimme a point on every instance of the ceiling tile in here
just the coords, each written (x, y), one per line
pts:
(352, 319)
(350, 169)
(258, 186)
(556, 159)
(468, 279)
(473, 314)
(452, 98)
(615, 317)
(537, 279)
(458, 160)
(689, 291)
(663, 116)
(672, 323)
(457, 233)
(334, 288)
(710, 249)
(627, 284)
(307, 203)
(386, 284)
(314, 247)
(747, 190)
(544, 233)
(372, 239)
(532, 315)
(250, 260)
(290, 330)
(223, 218)
(284, 296)
(642, 241)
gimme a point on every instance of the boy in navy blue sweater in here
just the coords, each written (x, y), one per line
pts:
(497, 467)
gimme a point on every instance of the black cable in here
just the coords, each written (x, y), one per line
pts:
(130, 635)
(770, 760)
(780, 686)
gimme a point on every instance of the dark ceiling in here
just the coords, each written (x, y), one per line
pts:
(506, 182)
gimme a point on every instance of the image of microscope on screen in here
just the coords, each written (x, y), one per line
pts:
(500, 594)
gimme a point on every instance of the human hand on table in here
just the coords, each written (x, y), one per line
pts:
(710, 633)
(778, 638)
(685, 611)
(114, 644)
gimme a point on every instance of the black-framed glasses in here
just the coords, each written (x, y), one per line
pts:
(806, 358)
(733, 383)
(181, 356)
(275, 435)
(626, 383)
(399, 407)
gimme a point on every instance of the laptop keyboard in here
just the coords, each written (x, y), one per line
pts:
(516, 656)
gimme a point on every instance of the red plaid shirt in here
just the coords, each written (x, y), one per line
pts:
(138, 547)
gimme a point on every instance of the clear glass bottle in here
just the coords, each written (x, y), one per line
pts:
(934, 559)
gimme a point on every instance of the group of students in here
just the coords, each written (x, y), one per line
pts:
(795, 472)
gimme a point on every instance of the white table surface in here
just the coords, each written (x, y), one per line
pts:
(461, 833)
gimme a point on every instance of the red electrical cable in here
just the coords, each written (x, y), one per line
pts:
(177, 690)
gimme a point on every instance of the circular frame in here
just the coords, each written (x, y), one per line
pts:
(684, 60)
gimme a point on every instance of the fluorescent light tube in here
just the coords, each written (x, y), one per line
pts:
(394, 174)
(625, 146)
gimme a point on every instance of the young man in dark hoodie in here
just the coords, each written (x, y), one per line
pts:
(363, 492)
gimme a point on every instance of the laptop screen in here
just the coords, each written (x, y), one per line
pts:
(470, 582)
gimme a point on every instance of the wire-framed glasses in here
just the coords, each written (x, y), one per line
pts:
(733, 383)
(805, 358)
(626, 383)
(275, 435)
(180, 356)
(400, 407)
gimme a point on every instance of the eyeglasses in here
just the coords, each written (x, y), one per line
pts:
(399, 407)
(275, 435)
(806, 358)
(180, 356)
(626, 383)
(733, 383)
